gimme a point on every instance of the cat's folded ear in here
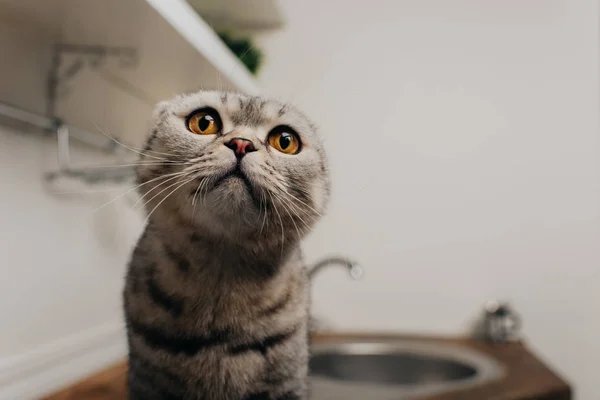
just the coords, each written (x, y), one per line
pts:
(160, 110)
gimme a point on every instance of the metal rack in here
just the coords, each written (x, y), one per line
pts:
(64, 134)
(91, 56)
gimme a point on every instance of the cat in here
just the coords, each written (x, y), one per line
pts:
(216, 296)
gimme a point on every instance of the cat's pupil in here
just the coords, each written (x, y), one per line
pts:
(285, 140)
(204, 122)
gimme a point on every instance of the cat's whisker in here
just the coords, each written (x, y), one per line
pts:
(263, 205)
(90, 191)
(166, 197)
(194, 197)
(291, 203)
(196, 159)
(205, 187)
(154, 163)
(109, 189)
(297, 203)
(275, 183)
(129, 147)
(260, 215)
(283, 190)
(131, 190)
(301, 190)
(144, 150)
(190, 166)
(302, 202)
(194, 202)
(280, 222)
(124, 145)
(286, 209)
(312, 218)
(173, 177)
(179, 178)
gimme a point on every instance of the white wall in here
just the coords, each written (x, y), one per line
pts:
(25, 55)
(63, 257)
(463, 139)
(62, 263)
(61, 266)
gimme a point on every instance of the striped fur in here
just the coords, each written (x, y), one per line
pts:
(216, 296)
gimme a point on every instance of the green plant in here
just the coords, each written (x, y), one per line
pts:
(244, 50)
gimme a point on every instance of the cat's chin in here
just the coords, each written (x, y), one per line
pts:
(232, 204)
(234, 186)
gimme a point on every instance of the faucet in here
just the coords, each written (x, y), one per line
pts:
(354, 269)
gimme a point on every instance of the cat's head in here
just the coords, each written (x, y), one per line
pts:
(235, 163)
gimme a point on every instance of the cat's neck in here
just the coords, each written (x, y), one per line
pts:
(259, 255)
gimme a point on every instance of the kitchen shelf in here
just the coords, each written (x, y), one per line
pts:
(256, 16)
(176, 51)
(190, 25)
(105, 23)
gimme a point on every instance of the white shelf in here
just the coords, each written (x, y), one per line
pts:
(185, 20)
(177, 52)
(250, 16)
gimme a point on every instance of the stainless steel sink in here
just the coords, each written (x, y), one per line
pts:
(395, 369)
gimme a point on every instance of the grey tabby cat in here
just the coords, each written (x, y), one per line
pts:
(216, 296)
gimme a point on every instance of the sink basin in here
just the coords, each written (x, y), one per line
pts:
(396, 369)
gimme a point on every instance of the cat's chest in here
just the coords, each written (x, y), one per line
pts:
(209, 286)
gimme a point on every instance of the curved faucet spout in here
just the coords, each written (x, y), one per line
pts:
(354, 269)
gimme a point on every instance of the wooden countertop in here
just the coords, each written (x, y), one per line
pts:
(525, 378)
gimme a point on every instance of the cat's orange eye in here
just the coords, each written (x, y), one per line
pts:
(285, 140)
(204, 122)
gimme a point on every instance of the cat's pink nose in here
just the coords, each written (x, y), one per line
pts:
(240, 146)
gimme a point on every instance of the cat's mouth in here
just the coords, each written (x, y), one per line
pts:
(234, 174)
(235, 179)
(236, 183)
